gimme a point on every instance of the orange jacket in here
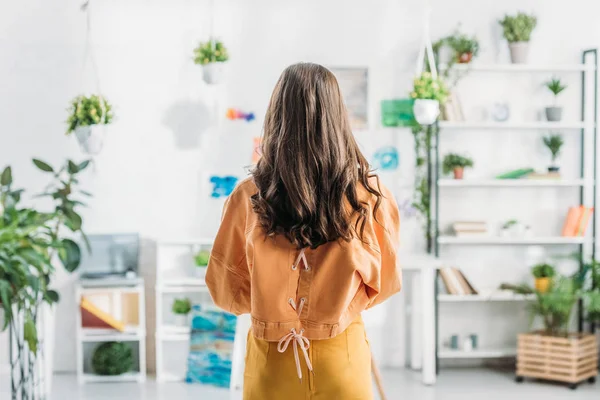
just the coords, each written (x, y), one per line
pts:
(318, 292)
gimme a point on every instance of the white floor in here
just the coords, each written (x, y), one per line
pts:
(453, 384)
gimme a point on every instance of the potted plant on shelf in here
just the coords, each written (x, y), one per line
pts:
(517, 31)
(112, 358)
(201, 259)
(181, 308)
(554, 144)
(87, 117)
(428, 93)
(554, 113)
(543, 274)
(465, 47)
(457, 164)
(211, 56)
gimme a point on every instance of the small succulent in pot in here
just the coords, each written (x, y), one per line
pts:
(201, 259)
(543, 274)
(517, 31)
(465, 47)
(554, 143)
(181, 308)
(456, 163)
(554, 112)
(87, 116)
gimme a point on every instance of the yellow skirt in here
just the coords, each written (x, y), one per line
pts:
(341, 369)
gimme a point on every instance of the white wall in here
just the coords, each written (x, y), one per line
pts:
(169, 134)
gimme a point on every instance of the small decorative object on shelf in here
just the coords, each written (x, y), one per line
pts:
(554, 113)
(88, 115)
(112, 358)
(543, 274)
(397, 112)
(454, 342)
(457, 164)
(212, 56)
(512, 228)
(554, 143)
(181, 308)
(517, 31)
(464, 47)
(474, 341)
(201, 263)
(500, 112)
(428, 93)
(577, 221)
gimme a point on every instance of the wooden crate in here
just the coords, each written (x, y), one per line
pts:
(571, 359)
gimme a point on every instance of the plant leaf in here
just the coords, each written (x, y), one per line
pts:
(73, 219)
(83, 192)
(88, 246)
(52, 296)
(30, 334)
(83, 165)
(6, 177)
(69, 254)
(5, 296)
(72, 167)
(42, 165)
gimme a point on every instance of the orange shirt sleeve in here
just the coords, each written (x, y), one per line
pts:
(227, 275)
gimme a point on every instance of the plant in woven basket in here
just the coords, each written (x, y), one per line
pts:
(112, 358)
(210, 52)
(88, 110)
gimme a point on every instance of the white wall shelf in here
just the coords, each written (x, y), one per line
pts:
(534, 125)
(127, 377)
(484, 183)
(496, 296)
(513, 68)
(477, 353)
(496, 240)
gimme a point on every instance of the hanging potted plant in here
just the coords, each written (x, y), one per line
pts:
(456, 163)
(554, 113)
(554, 144)
(201, 259)
(543, 274)
(428, 93)
(517, 31)
(212, 56)
(465, 47)
(181, 309)
(87, 118)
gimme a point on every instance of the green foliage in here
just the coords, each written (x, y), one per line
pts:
(426, 87)
(518, 28)
(210, 52)
(510, 223)
(182, 306)
(421, 202)
(29, 240)
(86, 111)
(202, 258)
(518, 289)
(112, 358)
(554, 144)
(463, 44)
(452, 161)
(555, 86)
(543, 271)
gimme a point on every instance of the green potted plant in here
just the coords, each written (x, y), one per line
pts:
(112, 358)
(211, 55)
(465, 47)
(181, 309)
(554, 113)
(543, 274)
(517, 31)
(457, 164)
(201, 260)
(87, 117)
(554, 144)
(428, 93)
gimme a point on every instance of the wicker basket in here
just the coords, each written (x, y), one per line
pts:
(571, 359)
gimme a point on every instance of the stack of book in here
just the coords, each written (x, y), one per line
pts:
(470, 228)
(578, 218)
(456, 282)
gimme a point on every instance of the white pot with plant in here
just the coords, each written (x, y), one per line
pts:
(181, 310)
(554, 113)
(517, 31)
(429, 93)
(456, 164)
(212, 56)
(88, 115)
(554, 144)
(201, 259)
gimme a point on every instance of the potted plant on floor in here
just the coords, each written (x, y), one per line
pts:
(181, 308)
(517, 31)
(543, 274)
(428, 93)
(212, 56)
(456, 163)
(554, 144)
(465, 47)
(201, 260)
(554, 113)
(87, 117)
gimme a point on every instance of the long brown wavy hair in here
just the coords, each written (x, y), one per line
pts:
(311, 166)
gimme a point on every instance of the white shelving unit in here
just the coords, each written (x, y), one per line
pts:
(536, 125)
(529, 68)
(496, 296)
(477, 353)
(535, 183)
(168, 284)
(117, 289)
(497, 240)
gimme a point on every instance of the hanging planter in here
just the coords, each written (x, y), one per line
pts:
(212, 56)
(87, 119)
(429, 92)
(426, 111)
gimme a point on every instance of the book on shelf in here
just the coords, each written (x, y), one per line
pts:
(516, 174)
(455, 282)
(469, 228)
(577, 220)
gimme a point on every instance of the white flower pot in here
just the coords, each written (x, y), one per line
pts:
(181, 320)
(518, 52)
(213, 73)
(90, 138)
(426, 111)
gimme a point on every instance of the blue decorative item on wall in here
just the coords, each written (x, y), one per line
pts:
(222, 185)
(386, 158)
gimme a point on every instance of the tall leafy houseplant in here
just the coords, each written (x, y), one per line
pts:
(517, 31)
(554, 112)
(31, 242)
(211, 55)
(87, 115)
(554, 143)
